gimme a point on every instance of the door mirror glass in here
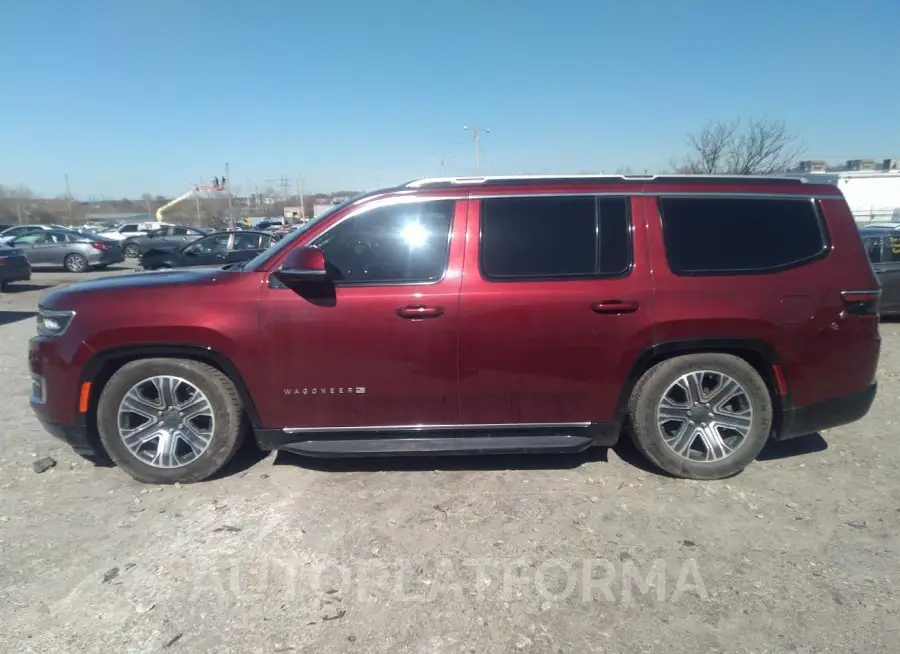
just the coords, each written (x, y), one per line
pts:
(303, 264)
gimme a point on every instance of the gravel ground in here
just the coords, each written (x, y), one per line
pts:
(590, 553)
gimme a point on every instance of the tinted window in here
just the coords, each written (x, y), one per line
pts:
(406, 242)
(179, 231)
(731, 235)
(873, 248)
(244, 241)
(33, 238)
(891, 249)
(18, 231)
(554, 237)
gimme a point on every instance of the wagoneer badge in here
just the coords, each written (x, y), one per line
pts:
(349, 390)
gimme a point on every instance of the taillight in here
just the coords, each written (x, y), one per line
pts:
(99, 246)
(861, 303)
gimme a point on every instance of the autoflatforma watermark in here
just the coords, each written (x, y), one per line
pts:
(474, 579)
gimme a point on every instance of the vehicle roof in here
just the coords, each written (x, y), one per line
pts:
(762, 184)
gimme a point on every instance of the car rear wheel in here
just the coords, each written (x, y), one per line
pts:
(131, 251)
(170, 420)
(701, 416)
(75, 263)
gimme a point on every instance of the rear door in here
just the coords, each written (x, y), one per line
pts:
(554, 309)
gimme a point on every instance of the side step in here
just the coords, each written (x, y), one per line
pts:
(558, 443)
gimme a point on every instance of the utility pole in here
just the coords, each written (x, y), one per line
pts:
(69, 198)
(476, 131)
(19, 212)
(300, 193)
(228, 190)
(197, 202)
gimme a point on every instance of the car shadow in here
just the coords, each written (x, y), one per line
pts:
(9, 317)
(809, 444)
(428, 463)
(14, 288)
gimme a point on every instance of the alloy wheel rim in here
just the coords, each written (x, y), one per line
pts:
(75, 264)
(704, 416)
(166, 421)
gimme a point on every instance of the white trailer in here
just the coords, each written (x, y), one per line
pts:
(873, 196)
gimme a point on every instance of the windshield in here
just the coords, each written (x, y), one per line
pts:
(278, 246)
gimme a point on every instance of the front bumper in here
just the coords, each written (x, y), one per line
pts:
(800, 421)
(76, 436)
(15, 271)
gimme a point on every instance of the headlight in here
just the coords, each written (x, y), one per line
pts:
(53, 323)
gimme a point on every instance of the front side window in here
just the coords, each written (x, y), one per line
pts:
(33, 238)
(554, 237)
(891, 249)
(129, 229)
(398, 243)
(715, 236)
(873, 248)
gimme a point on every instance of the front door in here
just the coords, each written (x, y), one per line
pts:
(888, 271)
(554, 309)
(376, 345)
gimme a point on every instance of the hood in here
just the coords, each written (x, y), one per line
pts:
(130, 283)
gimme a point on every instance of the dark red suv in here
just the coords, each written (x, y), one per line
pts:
(704, 315)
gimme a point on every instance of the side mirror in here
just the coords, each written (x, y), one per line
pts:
(303, 264)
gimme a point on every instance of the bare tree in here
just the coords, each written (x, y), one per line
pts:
(758, 147)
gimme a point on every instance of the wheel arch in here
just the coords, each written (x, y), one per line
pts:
(105, 363)
(759, 354)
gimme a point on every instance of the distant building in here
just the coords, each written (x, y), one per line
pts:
(293, 212)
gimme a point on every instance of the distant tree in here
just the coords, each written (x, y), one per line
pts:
(758, 147)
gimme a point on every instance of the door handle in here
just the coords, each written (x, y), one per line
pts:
(417, 312)
(615, 306)
(221, 256)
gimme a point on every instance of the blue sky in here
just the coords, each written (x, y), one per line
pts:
(132, 97)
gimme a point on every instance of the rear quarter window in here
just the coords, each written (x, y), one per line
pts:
(731, 236)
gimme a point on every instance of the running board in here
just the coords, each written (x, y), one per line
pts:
(443, 445)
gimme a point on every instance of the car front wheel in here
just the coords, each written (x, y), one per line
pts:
(170, 420)
(701, 416)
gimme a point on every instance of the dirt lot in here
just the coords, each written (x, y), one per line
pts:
(546, 554)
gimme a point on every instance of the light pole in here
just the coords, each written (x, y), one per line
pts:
(476, 131)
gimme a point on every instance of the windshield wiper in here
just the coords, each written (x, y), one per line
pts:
(237, 265)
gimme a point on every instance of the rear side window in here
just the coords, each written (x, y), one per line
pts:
(554, 237)
(714, 236)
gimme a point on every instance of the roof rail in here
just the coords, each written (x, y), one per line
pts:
(537, 179)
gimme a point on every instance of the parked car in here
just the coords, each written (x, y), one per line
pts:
(168, 237)
(126, 230)
(705, 315)
(883, 248)
(211, 250)
(11, 233)
(74, 251)
(14, 266)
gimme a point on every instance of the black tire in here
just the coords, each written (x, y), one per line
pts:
(75, 263)
(226, 406)
(649, 391)
(131, 251)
